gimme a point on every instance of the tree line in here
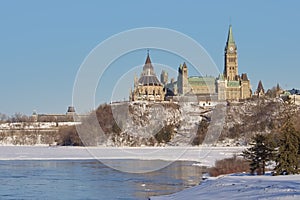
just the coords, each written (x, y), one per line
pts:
(17, 117)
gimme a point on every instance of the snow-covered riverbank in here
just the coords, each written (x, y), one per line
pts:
(229, 186)
(205, 155)
(242, 187)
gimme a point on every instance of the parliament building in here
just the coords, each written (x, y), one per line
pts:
(227, 86)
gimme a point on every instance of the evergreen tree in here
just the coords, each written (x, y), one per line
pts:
(288, 152)
(259, 154)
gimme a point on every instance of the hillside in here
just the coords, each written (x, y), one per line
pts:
(185, 123)
(265, 116)
(163, 124)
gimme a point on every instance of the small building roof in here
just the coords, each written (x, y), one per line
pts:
(294, 91)
(233, 84)
(260, 88)
(149, 80)
(148, 76)
(244, 77)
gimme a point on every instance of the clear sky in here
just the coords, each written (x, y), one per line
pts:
(43, 43)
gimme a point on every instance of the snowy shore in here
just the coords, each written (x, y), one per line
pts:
(224, 187)
(241, 187)
(206, 156)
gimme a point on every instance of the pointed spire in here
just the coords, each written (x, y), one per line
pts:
(278, 87)
(148, 60)
(260, 88)
(230, 39)
(148, 68)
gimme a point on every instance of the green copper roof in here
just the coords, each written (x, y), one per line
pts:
(233, 83)
(198, 80)
(230, 39)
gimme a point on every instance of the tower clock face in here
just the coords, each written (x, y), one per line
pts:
(231, 49)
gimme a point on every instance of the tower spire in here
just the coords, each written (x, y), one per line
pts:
(148, 68)
(231, 65)
(148, 60)
(230, 39)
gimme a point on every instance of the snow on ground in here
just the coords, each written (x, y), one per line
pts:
(241, 187)
(204, 155)
(35, 125)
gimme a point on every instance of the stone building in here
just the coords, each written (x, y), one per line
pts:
(147, 87)
(194, 85)
(68, 117)
(228, 86)
(231, 85)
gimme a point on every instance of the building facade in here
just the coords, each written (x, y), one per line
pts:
(228, 86)
(231, 85)
(194, 85)
(147, 87)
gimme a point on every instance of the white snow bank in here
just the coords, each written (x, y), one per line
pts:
(242, 187)
(35, 125)
(203, 155)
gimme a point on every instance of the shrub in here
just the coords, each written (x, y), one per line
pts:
(68, 136)
(229, 166)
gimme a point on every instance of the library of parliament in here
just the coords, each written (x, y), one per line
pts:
(227, 86)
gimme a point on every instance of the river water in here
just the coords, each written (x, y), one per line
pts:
(90, 179)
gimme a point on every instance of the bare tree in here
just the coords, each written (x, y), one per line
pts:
(3, 117)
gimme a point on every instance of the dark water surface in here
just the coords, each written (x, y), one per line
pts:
(87, 179)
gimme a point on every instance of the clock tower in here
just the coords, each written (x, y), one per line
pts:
(231, 63)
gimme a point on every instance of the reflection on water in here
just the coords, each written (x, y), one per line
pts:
(92, 179)
(175, 177)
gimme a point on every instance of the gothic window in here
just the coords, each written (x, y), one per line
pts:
(231, 59)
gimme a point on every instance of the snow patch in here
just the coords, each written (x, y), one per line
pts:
(242, 186)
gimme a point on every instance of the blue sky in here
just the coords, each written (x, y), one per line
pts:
(43, 43)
